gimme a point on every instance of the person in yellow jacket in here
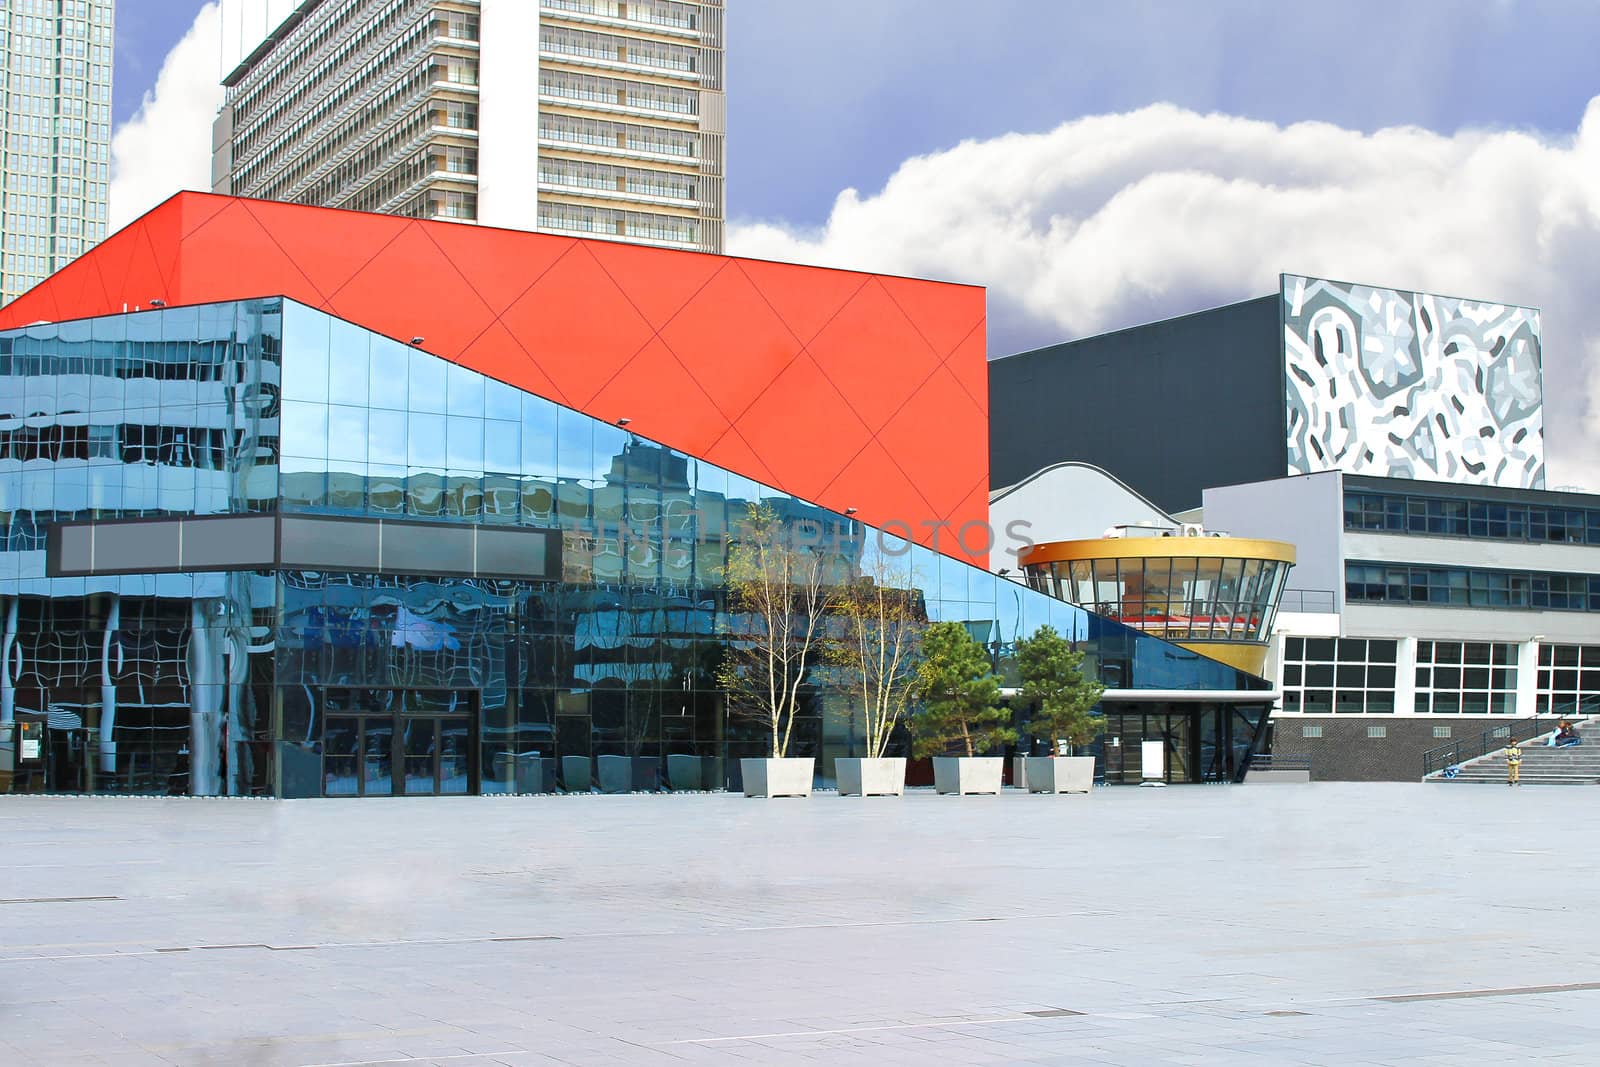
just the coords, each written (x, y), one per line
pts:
(1514, 765)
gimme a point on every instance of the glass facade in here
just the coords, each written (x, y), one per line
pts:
(299, 683)
(1181, 599)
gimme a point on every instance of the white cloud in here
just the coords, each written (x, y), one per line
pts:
(1112, 220)
(166, 146)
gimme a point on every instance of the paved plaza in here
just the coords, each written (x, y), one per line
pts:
(1265, 924)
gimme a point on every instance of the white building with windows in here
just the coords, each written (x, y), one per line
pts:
(55, 72)
(1424, 612)
(596, 118)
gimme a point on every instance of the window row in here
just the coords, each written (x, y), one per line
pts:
(1463, 587)
(1179, 599)
(1342, 675)
(1392, 513)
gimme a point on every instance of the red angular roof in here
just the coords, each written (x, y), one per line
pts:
(846, 389)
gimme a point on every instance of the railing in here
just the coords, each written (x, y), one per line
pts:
(1311, 601)
(1496, 737)
(1281, 761)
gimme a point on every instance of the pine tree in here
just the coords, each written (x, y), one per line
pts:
(960, 696)
(1063, 696)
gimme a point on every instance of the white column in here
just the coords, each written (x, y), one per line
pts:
(508, 114)
(1527, 702)
(1405, 676)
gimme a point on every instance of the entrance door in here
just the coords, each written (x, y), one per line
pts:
(1125, 733)
(379, 743)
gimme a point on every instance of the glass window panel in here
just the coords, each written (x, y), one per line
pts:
(575, 454)
(1157, 591)
(1131, 579)
(741, 493)
(386, 485)
(348, 363)
(1184, 577)
(347, 434)
(426, 382)
(425, 440)
(305, 353)
(386, 436)
(465, 446)
(464, 391)
(609, 443)
(501, 401)
(425, 492)
(387, 374)
(538, 437)
(1208, 576)
(304, 429)
(502, 446)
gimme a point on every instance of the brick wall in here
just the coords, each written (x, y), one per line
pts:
(1345, 752)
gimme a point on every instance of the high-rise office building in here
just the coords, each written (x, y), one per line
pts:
(55, 73)
(596, 118)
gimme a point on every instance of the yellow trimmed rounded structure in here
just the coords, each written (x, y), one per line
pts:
(1211, 593)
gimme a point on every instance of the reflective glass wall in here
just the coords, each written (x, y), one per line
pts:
(302, 683)
(150, 683)
(619, 657)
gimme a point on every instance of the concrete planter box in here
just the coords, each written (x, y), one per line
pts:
(968, 774)
(788, 777)
(685, 772)
(1060, 774)
(629, 774)
(859, 777)
(576, 774)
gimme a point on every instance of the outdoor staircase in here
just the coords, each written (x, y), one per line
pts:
(1541, 765)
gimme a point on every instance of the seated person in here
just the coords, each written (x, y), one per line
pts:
(1562, 727)
(1567, 737)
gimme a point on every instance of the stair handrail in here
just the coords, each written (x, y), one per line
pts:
(1490, 740)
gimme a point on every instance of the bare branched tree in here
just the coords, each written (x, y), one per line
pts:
(780, 594)
(881, 617)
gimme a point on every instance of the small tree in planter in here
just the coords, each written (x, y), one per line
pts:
(779, 596)
(1063, 698)
(961, 718)
(879, 629)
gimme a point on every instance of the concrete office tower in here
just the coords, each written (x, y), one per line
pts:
(55, 65)
(596, 118)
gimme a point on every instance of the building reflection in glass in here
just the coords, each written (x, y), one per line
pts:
(296, 683)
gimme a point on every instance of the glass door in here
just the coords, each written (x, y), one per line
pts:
(1123, 735)
(455, 756)
(341, 746)
(421, 755)
(1178, 733)
(377, 756)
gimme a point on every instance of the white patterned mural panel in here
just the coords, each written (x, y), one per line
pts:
(1408, 385)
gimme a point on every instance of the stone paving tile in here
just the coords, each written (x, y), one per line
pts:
(1176, 919)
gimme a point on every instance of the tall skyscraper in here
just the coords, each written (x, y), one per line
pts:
(55, 99)
(599, 118)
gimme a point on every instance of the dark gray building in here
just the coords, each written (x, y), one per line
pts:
(1319, 376)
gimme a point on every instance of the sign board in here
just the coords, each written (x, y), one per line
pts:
(30, 748)
(1153, 755)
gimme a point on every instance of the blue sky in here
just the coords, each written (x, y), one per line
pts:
(890, 79)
